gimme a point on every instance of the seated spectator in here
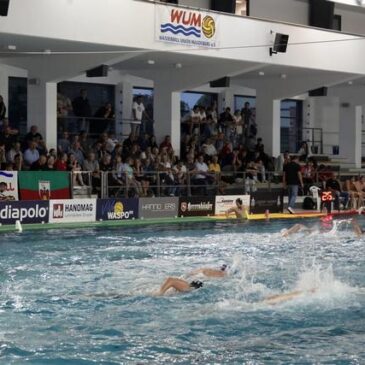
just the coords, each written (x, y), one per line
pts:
(309, 173)
(50, 166)
(129, 179)
(18, 162)
(6, 124)
(209, 148)
(139, 175)
(200, 177)
(15, 150)
(7, 138)
(251, 177)
(40, 164)
(77, 152)
(351, 188)
(32, 135)
(61, 162)
(166, 176)
(64, 144)
(31, 154)
(180, 172)
(2, 156)
(334, 185)
(166, 143)
(92, 165)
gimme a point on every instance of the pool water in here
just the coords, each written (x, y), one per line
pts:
(85, 296)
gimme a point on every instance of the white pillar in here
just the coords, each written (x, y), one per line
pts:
(4, 88)
(42, 110)
(268, 123)
(166, 110)
(351, 134)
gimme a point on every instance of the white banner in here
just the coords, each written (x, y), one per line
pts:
(225, 202)
(186, 27)
(72, 210)
(10, 178)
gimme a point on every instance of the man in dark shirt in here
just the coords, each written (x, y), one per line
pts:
(334, 185)
(292, 178)
(81, 105)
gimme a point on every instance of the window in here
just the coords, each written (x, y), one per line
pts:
(240, 100)
(17, 112)
(291, 125)
(242, 7)
(191, 98)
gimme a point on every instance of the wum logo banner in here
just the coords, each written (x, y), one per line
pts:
(10, 192)
(186, 27)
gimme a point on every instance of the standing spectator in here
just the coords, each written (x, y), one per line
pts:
(225, 120)
(7, 138)
(2, 156)
(292, 178)
(138, 112)
(303, 151)
(104, 113)
(82, 108)
(2, 108)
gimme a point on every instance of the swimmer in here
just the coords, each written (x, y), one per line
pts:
(280, 298)
(240, 210)
(179, 285)
(211, 273)
(356, 228)
(326, 224)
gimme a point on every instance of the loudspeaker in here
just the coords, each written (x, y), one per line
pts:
(4, 7)
(223, 82)
(321, 13)
(322, 91)
(225, 6)
(100, 71)
(280, 43)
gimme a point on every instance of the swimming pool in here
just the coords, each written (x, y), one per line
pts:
(84, 296)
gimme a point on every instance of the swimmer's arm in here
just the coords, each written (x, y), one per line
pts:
(208, 272)
(357, 229)
(279, 298)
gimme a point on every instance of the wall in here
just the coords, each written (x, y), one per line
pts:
(291, 11)
(203, 4)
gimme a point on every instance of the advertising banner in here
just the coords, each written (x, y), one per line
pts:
(225, 202)
(25, 212)
(261, 201)
(44, 185)
(186, 27)
(196, 206)
(117, 209)
(72, 211)
(158, 207)
(10, 178)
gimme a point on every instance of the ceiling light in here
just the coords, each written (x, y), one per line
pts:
(178, 65)
(47, 51)
(11, 47)
(350, 82)
(283, 76)
(151, 62)
(261, 73)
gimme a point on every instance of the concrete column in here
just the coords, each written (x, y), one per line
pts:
(123, 108)
(226, 100)
(351, 135)
(42, 109)
(268, 123)
(166, 109)
(4, 88)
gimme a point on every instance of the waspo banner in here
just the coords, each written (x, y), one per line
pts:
(44, 185)
(10, 178)
(186, 27)
(196, 206)
(225, 202)
(158, 207)
(72, 211)
(25, 212)
(117, 209)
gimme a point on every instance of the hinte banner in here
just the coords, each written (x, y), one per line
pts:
(158, 207)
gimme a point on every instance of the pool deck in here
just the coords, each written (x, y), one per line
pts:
(177, 220)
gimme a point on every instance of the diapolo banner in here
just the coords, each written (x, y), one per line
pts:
(72, 211)
(25, 212)
(10, 178)
(44, 185)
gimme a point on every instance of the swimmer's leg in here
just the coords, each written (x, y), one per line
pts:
(295, 229)
(175, 283)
